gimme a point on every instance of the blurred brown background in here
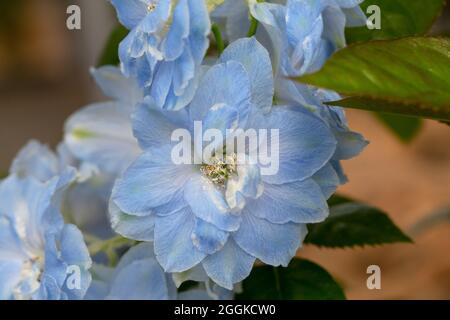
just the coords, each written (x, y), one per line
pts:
(44, 78)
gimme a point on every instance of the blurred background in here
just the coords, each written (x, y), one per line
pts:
(44, 77)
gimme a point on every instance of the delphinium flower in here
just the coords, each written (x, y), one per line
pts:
(101, 134)
(138, 276)
(300, 35)
(221, 214)
(303, 33)
(85, 201)
(38, 252)
(166, 45)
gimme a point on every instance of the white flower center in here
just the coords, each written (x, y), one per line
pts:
(151, 7)
(219, 170)
(30, 278)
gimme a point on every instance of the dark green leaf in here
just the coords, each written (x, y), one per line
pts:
(355, 224)
(337, 200)
(301, 280)
(405, 128)
(399, 18)
(110, 54)
(408, 76)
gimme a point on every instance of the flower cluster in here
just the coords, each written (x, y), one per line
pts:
(198, 166)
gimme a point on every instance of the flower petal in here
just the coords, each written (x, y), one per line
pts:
(151, 181)
(130, 226)
(299, 202)
(102, 134)
(304, 145)
(274, 244)
(207, 238)
(225, 83)
(207, 203)
(130, 12)
(174, 248)
(229, 266)
(256, 61)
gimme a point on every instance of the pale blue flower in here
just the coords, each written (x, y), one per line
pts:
(86, 201)
(138, 276)
(300, 34)
(38, 252)
(224, 224)
(165, 47)
(101, 134)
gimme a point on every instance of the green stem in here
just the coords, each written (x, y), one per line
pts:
(109, 245)
(253, 27)
(219, 39)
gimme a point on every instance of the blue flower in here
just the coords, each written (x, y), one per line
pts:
(101, 134)
(222, 217)
(86, 201)
(301, 34)
(165, 47)
(138, 276)
(41, 258)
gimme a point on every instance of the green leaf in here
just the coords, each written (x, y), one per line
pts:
(110, 54)
(3, 175)
(355, 224)
(405, 128)
(301, 280)
(337, 200)
(399, 18)
(409, 76)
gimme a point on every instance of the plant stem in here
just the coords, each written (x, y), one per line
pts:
(218, 36)
(253, 27)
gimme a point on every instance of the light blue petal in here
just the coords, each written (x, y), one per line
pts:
(184, 72)
(226, 83)
(174, 248)
(236, 14)
(140, 280)
(305, 143)
(299, 202)
(247, 184)
(154, 127)
(133, 227)
(116, 86)
(151, 181)
(200, 27)
(328, 180)
(160, 88)
(208, 203)
(229, 266)
(35, 160)
(73, 249)
(101, 134)
(274, 244)
(355, 17)
(9, 277)
(130, 12)
(179, 30)
(220, 117)
(256, 61)
(154, 21)
(10, 244)
(334, 26)
(207, 238)
(350, 144)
